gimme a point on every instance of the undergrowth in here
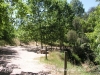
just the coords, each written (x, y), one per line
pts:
(57, 59)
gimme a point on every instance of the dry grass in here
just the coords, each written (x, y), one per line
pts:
(16, 41)
(57, 64)
(3, 43)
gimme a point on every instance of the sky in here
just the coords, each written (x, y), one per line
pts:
(87, 4)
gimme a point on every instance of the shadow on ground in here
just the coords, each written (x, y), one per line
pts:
(5, 55)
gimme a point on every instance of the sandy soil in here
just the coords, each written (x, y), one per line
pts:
(24, 61)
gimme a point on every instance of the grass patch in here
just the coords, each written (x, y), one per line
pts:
(53, 59)
(57, 59)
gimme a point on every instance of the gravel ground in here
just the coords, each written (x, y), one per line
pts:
(21, 62)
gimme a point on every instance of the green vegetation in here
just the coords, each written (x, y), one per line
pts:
(55, 23)
(57, 59)
(51, 59)
(3, 43)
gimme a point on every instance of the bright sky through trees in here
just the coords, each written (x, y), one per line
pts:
(88, 4)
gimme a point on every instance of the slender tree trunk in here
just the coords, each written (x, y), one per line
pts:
(51, 45)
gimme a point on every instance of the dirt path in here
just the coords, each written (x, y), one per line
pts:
(21, 62)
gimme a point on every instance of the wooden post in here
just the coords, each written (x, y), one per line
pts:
(65, 64)
(46, 53)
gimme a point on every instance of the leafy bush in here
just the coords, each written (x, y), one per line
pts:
(76, 57)
(3, 43)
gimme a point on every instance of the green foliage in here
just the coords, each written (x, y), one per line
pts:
(48, 21)
(76, 24)
(92, 9)
(51, 22)
(3, 43)
(55, 59)
(51, 59)
(98, 54)
(72, 36)
(94, 24)
(76, 57)
(6, 28)
(80, 41)
(77, 7)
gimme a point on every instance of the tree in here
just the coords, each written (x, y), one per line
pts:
(6, 28)
(97, 0)
(63, 19)
(77, 7)
(93, 31)
(72, 37)
(49, 21)
(92, 9)
(76, 24)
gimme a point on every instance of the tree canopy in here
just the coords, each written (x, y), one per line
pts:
(52, 22)
(77, 7)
